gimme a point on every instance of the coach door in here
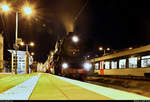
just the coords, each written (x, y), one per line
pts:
(101, 67)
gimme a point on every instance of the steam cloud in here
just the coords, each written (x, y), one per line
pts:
(68, 22)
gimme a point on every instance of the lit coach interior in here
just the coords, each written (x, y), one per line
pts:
(130, 62)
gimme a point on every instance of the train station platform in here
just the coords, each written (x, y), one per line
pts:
(51, 87)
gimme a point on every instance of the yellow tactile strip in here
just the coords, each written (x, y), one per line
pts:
(5, 75)
(52, 88)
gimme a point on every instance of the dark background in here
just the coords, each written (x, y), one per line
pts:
(117, 24)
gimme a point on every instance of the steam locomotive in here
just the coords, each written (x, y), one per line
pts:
(68, 61)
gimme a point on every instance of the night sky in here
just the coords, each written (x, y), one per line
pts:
(117, 24)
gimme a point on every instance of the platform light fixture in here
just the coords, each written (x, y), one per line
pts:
(32, 44)
(5, 7)
(27, 10)
(22, 44)
(108, 49)
(32, 54)
(130, 48)
(100, 48)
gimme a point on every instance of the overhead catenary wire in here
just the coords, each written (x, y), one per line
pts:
(80, 11)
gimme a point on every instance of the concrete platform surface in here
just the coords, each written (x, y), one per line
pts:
(51, 87)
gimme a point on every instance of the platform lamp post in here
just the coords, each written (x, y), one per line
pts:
(102, 49)
(5, 8)
(27, 53)
(28, 11)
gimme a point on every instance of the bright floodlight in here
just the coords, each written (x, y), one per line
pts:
(75, 39)
(31, 44)
(27, 10)
(64, 65)
(5, 8)
(87, 66)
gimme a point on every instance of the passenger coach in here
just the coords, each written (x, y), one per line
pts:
(130, 62)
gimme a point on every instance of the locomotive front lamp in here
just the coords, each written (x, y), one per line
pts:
(64, 65)
(75, 39)
(87, 66)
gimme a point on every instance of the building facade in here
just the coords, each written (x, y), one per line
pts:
(40, 67)
(1, 53)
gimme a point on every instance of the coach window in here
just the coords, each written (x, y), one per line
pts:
(101, 64)
(114, 64)
(107, 65)
(145, 61)
(133, 62)
(122, 63)
(96, 66)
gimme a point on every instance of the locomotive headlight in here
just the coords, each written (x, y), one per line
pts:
(64, 65)
(87, 66)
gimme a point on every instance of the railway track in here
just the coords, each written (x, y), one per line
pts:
(135, 86)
